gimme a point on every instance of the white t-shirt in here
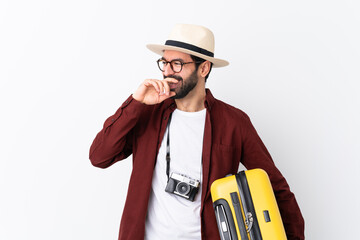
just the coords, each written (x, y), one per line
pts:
(171, 216)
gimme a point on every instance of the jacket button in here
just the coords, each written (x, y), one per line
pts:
(165, 118)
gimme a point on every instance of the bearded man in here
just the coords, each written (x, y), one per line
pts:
(178, 132)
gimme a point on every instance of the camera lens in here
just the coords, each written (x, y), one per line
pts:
(183, 188)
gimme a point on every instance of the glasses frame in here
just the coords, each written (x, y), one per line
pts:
(171, 64)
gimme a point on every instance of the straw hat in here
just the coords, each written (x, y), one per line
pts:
(191, 39)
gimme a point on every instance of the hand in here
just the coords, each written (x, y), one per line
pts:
(153, 91)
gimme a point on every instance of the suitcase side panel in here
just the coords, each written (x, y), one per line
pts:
(266, 208)
(222, 189)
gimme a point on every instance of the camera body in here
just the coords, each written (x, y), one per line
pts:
(182, 186)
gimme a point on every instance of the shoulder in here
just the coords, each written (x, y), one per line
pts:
(220, 109)
(230, 126)
(225, 110)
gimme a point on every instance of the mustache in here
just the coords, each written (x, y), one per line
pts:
(174, 76)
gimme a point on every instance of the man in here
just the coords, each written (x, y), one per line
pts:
(178, 132)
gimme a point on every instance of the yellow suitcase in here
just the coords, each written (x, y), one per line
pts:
(245, 207)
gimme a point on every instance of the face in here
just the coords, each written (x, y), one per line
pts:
(188, 78)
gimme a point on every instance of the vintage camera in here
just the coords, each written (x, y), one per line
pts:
(183, 186)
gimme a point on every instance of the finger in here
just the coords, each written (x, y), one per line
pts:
(162, 89)
(147, 83)
(160, 86)
(153, 83)
(166, 87)
(166, 96)
(173, 80)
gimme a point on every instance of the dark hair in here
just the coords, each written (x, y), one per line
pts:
(199, 61)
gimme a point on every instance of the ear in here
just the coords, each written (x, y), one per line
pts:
(204, 68)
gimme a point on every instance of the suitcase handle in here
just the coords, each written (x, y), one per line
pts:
(225, 221)
(239, 217)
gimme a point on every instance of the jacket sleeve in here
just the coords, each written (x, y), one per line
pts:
(255, 155)
(114, 141)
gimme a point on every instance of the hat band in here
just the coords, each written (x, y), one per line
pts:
(189, 47)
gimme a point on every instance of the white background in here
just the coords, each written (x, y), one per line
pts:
(65, 66)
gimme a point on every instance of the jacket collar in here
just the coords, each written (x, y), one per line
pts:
(209, 99)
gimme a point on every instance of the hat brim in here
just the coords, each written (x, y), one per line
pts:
(159, 49)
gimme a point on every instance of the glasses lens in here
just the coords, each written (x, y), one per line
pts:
(176, 66)
(161, 63)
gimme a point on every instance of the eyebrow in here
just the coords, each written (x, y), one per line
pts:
(176, 59)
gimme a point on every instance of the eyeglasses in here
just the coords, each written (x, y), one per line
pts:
(176, 65)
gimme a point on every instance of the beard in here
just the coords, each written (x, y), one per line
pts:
(186, 86)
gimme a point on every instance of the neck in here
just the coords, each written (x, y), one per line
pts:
(194, 101)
